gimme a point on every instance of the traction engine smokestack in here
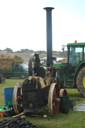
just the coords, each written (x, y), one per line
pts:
(49, 34)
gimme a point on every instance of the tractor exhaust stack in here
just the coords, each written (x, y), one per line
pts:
(49, 34)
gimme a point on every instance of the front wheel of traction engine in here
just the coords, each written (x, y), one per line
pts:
(80, 81)
(17, 98)
(53, 99)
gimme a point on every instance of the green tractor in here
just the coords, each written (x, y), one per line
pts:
(72, 73)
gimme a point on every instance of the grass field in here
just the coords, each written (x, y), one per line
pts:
(71, 120)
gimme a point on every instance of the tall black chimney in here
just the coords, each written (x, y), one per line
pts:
(49, 34)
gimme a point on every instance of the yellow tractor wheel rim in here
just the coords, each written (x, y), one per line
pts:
(84, 81)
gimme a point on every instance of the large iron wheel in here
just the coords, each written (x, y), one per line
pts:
(17, 97)
(80, 81)
(53, 99)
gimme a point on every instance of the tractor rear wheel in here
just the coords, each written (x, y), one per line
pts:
(80, 81)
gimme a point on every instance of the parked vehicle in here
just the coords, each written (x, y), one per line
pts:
(17, 70)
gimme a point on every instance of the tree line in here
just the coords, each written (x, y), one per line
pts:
(56, 53)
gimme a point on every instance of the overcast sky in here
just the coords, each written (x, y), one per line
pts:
(23, 23)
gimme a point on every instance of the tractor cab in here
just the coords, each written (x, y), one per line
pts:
(75, 62)
(76, 53)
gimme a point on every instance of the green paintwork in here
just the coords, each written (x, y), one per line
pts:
(57, 64)
(54, 65)
(76, 44)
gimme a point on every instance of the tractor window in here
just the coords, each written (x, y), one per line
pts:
(75, 55)
(84, 53)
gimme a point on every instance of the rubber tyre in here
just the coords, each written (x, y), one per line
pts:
(79, 81)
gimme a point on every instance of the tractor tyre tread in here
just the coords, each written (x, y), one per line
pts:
(79, 81)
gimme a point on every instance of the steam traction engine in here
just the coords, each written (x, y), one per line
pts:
(41, 87)
(38, 90)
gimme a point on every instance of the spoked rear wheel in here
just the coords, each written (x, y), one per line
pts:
(53, 99)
